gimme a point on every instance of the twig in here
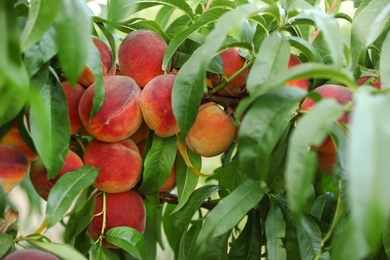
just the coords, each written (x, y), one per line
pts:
(330, 10)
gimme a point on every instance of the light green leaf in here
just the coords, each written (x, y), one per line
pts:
(308, 50)
(385, 66)
(275, 230)
(6, 242)
(61, 250)
(177, 4)
(309, 238)
(95, 64)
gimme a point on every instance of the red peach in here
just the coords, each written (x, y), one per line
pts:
(170, 183)
(141, 134)
(300, 83)
(30, 254)
(326, 161)
(73, 96)
(120, 115)
(376, 82)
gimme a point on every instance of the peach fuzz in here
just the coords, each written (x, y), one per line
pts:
(156, 106)
(13, 167)
(300, 83)
(73, 96)
(13, 138)
(38, 173)
(212, 132)
(122, 209)
(87, 77)
(120, 115)
(30, 254)
(342, 95)
(140, 55)
(326, 161)
(120, 164)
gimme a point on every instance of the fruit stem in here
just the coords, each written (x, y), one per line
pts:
(104, 209)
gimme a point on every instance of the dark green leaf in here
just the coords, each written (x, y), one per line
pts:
(6, 242)
(309, 238)
(275, 230)
(2, 200)
(65, 190)
(217, 248)
(321, 205)
(386, 241)
(62, 250)
(95, 64)
(187, 249)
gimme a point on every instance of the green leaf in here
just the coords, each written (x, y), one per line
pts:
(275, 230)
(61, 250)
(309, 238)
(65, 190)
(368, 166)
(187, 249)
(262, 126)
(385, 66)
(217, 248)
(311, 129)
(129, 239)
(229, 211)
(322, 205)
(190, 83)
(120, 10)
(6, 241)
(95, 64)
(73, 26)
(99, 254)
(152, 232)
(50, 124)
(158, 163)
(177, 4)
(40, 18)
(248, 243)
(3, 201)
(306, 48)
(386, 241)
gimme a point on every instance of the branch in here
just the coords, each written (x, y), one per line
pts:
(169, 198)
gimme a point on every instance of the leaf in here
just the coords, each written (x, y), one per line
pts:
(217, 248)
(306, 48)
(177, 4)
(275, 230)
(262, 126)
(386, 241)
(62, 250)
(384, 66)
(50, 124)
(95, 64)
(152, 232)
(73, 26)
(229, 211)
(188, 245)
(65, 190)
(368, 167)
(311, 129)
(119, 10)
(190, 82)
(248, 243)
(322, 205)
(40, 18)
(129, 239)
(309, 238)
(3, 201)
(158, 163)
(6, 242)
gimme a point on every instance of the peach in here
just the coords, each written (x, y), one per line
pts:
(232, 62)
(87, 78)
(342, 95)
(13, 138)
(376, 82)
(122, 209)
(120, 115)
(120, 164)
(170, 183)
(73, 96)
(156, 106)
(326, 161)
(13, 167)
(141, 134)
(212, 132)
(39, 178)
(300, 83)
(140, 56)
(30, 254)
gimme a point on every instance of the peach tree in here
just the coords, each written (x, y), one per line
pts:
(108, 110)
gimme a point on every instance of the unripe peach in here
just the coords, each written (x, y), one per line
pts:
(300, 83)
(122, 209)
(73, 96)
(120, 115)
(156, 105)
(342, 95)
(87, 77)
(30, 254)
(13, 167)
(213, 131)
(38, 173)
(326, 161)
(120, 164)
(140, 56)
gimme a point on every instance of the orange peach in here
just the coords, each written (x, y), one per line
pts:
(300, 83)
(30, 254)
(342, 95)
(87, 78)
(170, 183)
(122, 209)
(140, 56)
(120, 115)
(141, 134)
(326, 161)
(39, 178)
(156, 106)
(213, 131)
(73, 96)
(120, 164)
(13, 167)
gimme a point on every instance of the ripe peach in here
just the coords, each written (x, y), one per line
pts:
(30, 254)
(73, 96)
(232, 62)
(87, 78)
(326, 161)
(122, 209)
(170, 183)
(38, 173)
(13, 167)
(342, 95)
(120, 164)
(300, 83)
(213, 131)
(13, 138)
(120, 115)
(140, 56)
(156, 106)
(376, 83)
(141, 134)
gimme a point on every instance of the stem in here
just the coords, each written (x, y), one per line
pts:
(330, 10)
(226, 102)
(207, 5)
(104, 209)
(172, 199)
